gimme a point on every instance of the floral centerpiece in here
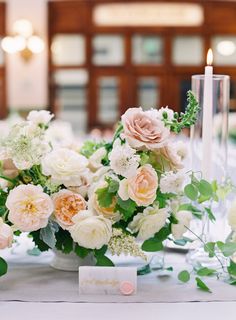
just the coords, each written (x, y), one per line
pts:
(101, 196)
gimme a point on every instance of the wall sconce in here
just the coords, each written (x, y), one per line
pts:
(23, 40)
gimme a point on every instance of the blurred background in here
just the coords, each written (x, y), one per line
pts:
(89, 60)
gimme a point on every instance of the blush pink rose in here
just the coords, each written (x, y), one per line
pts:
(29, 207)
(143, 130)
(142, 187)
(6, 235)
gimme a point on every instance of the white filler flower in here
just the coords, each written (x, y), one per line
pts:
(123, 159)
(172, 182)
(40, 117)
(65, 166)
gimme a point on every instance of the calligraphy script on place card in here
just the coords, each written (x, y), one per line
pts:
(108, 280)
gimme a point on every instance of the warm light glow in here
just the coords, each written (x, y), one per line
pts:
(23, 27)
(19, 42)
(35, 44)
(8, 45)
(148, 14)
(209, 57)
(226, 48)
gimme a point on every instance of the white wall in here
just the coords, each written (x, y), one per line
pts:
(27, 82)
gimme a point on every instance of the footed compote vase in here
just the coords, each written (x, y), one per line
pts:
(70, 261)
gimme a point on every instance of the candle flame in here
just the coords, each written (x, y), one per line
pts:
(209, 57)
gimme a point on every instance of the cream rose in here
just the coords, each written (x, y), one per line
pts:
(147, 223)
(142, 131)
(29, 207)
(66, 205)
(141, 188)
(6, 235)
(184, 218)
(65, 167)
(89, 231)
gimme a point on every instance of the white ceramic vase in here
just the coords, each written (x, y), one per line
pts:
(70, 262)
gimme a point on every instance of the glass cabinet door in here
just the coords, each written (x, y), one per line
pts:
(148, 92)
(224, 50)
(187, 50)
(71, 97)
(147, 49)
(108, 96)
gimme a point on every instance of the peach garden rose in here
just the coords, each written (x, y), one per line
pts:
(142, 187)
(66, 205)
(144, 131)
(29, 207)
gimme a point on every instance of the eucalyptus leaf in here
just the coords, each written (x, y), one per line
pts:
(204, 272)
(104, 261)
(202, 286)
(228, 249)
(152, 245)
(191, 191)
(3, 267)
(184, 276)
(205, 188)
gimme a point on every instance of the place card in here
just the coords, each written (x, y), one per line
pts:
(108, 280)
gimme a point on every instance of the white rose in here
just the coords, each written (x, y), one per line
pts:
(65, 167)
(95, 161)
(184, 218)
(90, 231)
(147, 223)
(232, 216)
(40, 117)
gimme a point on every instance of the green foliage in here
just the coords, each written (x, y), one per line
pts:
(210, 214)
(202, 286)
(118, 131)
(47, 234)
(3, 267)
(101, 259)
(205, 188)
(104, 197)
(64, 241)
(152, 245)
(38, 242)
(184, 120)
(232, 268)
(81, 251)
(228, 249)
(163, 233)
(191, 191)
(126, 208)
(162, 198)
(209, 247)
(184, 276)
(205, 272)
(89, 147)
(189, 207)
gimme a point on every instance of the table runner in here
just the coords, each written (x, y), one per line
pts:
(32, 279)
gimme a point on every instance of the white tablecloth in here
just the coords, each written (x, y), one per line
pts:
(32, 279)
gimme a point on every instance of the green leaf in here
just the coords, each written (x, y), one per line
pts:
(204, 272)
(104, 261)
(81, 251)
(38, 242)
(127, 208)
(232, 268)
(113, 186)
(210, 215)
(184, 276)
(152, 245)
(202, 286)
(209, 247)
(104, 197)
(47, 234)
(228, 249)
(163, 233)
(191, 191)
(3, 267)
(205, 188)
(64, 241)
(169, 269)
(100, 252)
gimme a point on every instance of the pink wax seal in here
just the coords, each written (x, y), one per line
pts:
(126, 288)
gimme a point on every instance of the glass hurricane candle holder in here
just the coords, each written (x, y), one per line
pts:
(213, 165)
